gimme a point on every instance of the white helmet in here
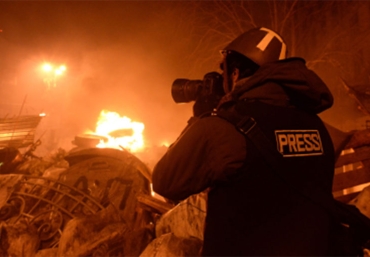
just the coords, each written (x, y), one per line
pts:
(261, 45)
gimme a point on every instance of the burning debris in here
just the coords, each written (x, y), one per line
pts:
(96, 199)
(119, 132)
(86, 202)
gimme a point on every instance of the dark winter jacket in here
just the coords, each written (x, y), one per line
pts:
(251, 210)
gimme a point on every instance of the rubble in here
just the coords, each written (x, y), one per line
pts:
(98, 202)
(179, 231)
(169, 245)
(89, 207)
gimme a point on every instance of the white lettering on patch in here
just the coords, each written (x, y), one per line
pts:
(295, 143)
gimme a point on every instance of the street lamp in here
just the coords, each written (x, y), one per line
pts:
(52, 73)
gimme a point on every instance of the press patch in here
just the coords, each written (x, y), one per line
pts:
(298, 142)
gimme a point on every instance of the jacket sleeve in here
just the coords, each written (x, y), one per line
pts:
(208, 152)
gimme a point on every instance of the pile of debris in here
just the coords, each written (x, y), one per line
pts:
(98, 202)
(84, 204)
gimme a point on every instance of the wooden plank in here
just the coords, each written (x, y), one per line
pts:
(360, 142)
(359, 138)
(346, 198)
(352, 178)
(360, 154)
(18, 132)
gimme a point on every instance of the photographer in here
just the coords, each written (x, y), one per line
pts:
(251, 210)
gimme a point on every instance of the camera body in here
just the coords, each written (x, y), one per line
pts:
(186, 90)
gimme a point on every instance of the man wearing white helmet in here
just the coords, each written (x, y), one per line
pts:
(251, 208)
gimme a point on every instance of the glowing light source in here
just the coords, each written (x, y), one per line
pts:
(120, 131)
(52, 73)
(47, 67)
(165, 143)
(59, 71)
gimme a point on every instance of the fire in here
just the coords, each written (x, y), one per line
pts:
(120, 132)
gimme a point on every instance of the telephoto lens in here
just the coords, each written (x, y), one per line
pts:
(186, 90)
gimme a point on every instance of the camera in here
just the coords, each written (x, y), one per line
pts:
(186, 90)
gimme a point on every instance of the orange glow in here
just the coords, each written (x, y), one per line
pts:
(166, 144)
(120, 131)
(60, 70)
(47, 67)
(51, 73)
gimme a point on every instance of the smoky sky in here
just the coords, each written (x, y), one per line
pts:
(121, 56)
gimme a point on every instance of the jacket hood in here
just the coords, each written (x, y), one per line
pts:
(286, 80)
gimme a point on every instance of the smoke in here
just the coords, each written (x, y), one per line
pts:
(120, 57)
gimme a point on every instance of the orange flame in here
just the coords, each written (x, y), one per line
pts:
(121, 132)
